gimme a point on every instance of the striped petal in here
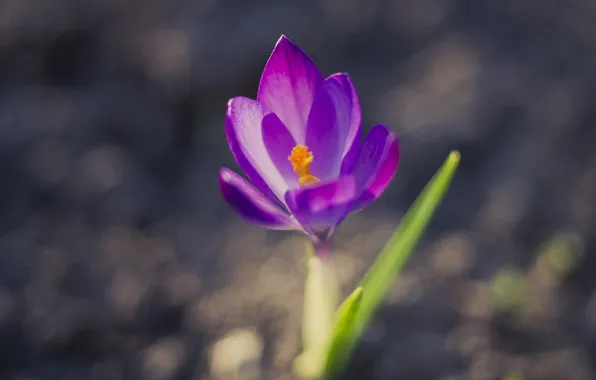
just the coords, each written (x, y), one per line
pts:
(252, 204)
(348, 115)
(244, 118)
(323, 205)
(376, 165)
(288, 86)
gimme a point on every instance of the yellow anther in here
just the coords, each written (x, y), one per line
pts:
(301, 158)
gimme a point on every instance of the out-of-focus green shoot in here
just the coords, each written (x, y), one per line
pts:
(513, 376)
(508, 289)
(513, 289)
(329, 341)
(560, 254)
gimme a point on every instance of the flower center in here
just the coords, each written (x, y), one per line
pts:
(301, 159)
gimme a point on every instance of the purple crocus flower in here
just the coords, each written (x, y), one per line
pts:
(299, 144)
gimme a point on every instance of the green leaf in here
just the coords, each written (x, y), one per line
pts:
(393, 257)
(345, 320)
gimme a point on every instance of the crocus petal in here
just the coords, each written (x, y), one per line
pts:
(323, 137)
(288, 86)
(349, 117)
(243, 128)
(323, 205)
(279, 143)
(252, 204)
(376, 165)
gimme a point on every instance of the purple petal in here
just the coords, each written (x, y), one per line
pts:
(323, 137)
(376, 165)
(243, 128)
(323, 205)
(252, 204)
(288, 86)
(349, 117)
(279, 143)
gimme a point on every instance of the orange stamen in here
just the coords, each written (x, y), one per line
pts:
(301, 158)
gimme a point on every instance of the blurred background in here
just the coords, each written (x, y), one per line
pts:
(119, 259)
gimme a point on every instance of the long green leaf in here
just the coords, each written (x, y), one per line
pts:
(393, 257)
(346, 318)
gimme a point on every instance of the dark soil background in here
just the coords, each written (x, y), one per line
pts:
(120, 260)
